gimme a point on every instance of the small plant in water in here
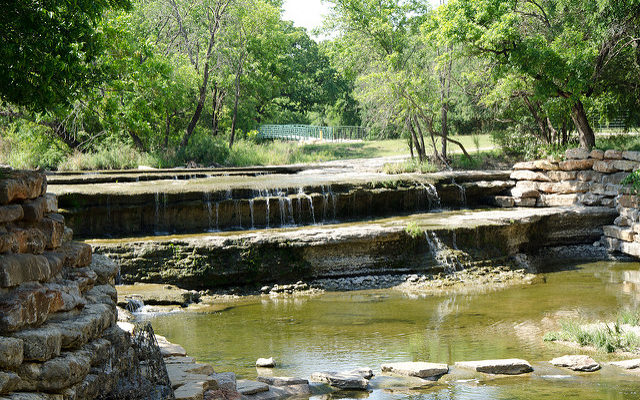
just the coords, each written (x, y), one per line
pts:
(414, 230)
(605, 337)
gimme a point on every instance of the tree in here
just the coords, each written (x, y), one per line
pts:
(567, 49)
(48, 48)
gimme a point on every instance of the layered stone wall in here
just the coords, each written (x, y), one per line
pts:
(58, 332)
(582, 178)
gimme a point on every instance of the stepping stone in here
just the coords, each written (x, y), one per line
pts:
(580, 363)
(265, 363)
(246, 387)
(282, 380)
(341, 380)
(511, 366)
(366, 373)
(191, 390)
(627, 364)
(226, 380)
(417, 369)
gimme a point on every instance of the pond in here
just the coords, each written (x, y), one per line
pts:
(344, 330)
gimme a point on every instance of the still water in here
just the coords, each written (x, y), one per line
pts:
(341, 331)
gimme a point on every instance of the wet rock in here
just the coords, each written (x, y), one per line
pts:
(18, 268)
(418, 369)
(40, 344)
(265, 289)
(265, 363)
(576, 363)
(282, 380)
(11, 352)
(627, 364)
(341, 380)
(503, 367)
(169, 349)
(246, 387)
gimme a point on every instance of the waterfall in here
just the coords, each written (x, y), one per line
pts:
(217, 216)
(237, 210)
(268, 211)
(311, 209)
(282, 211)
(251, 212)
(463, 192)
(325, 204)
(207, 202)
(134, 305)
(432, 195)
(442, 254)
(334, 200)
(292, 220)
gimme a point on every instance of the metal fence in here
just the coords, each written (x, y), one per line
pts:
(309, 132)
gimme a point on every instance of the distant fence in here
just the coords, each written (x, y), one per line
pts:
(309, 132)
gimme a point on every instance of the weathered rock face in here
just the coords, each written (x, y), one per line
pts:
(205, 207)
(207, 261)
(57, 336)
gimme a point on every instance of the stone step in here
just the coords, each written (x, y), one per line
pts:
(78, 328)
(27, 306)
(21, 185)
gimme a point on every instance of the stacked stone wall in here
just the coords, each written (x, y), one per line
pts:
(58, 332)
(581, 178)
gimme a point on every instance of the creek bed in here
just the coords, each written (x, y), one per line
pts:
(342, 330)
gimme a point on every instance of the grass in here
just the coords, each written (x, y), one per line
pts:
(608, 337)
(629, 141)
(482, 160)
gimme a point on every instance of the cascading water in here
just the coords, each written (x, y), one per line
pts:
(463, 192)
(282, 210)
(207, 202)
(442, 254)
(238, 212)
(134, 305)
(292, 220)
(432, 196)
(311, 209)
(251, 212)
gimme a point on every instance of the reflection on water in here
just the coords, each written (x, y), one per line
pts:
(338, 331)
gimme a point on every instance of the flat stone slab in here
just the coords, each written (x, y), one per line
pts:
(191, 390)
(282, 380)
(168, 349)
(512, 366)
(246, 387)
(627, 364)
(580, 363)
(225, 380)
(341, 380)
(417, 369)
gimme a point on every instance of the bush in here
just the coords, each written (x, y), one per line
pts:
(27, 146)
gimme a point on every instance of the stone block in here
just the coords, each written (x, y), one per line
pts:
(629, 201)
(622, 221)
(604, 166)
(613, 154)
(629, 248)
(191, 390)
(504, 201)
(418, 369)
(40, 344)
(630, 214)
(56, 261)
(20, 185)
(51, 203)
(11, 352)
(546, 165)
(51, 226)
(280, 380)
(597, 154)
(78, 329)
(608, 202)
(525, 165)
(525, 202)
(558, 200)
(588, 176)
(102, 294)
(604, 190)
(625, 165)
(77, 255)
(525, 175)
(28, 305)
(227, 381)
(576, 165)
(56, 374)
(67, 235)
(340, 380)
(105, 268)
(614, 179)
(70, 294)
(9, 382)
(17, 240)
(18, 268)
(577, 154)
(557, 176)
(625, 234)
(523, 193)
(590, 199)
(169, 349)
(10, 213)
(84, 277)
(34, 210)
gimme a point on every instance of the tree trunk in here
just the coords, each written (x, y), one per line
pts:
(445, 91)
(235, 108)
(411, 146)
(415, 140)
(137, 141)
(579, 117)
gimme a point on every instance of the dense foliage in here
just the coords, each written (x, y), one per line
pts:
(173, 81)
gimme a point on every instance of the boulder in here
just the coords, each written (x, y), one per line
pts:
(576, 165)
(341, 380)
(512, 366)
(577, 154)
(576, 363)
(265, 363)
(627, 364)
(626, 234)
(423, 370)
(11, 352)
(105, 268)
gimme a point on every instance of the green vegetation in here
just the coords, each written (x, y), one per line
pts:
(119, 83)
(605, 337)
(414, 230)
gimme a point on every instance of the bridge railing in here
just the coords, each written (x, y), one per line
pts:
(311, 132)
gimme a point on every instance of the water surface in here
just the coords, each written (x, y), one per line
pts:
(339, 331)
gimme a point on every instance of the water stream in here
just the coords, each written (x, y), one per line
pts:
(338, 331)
